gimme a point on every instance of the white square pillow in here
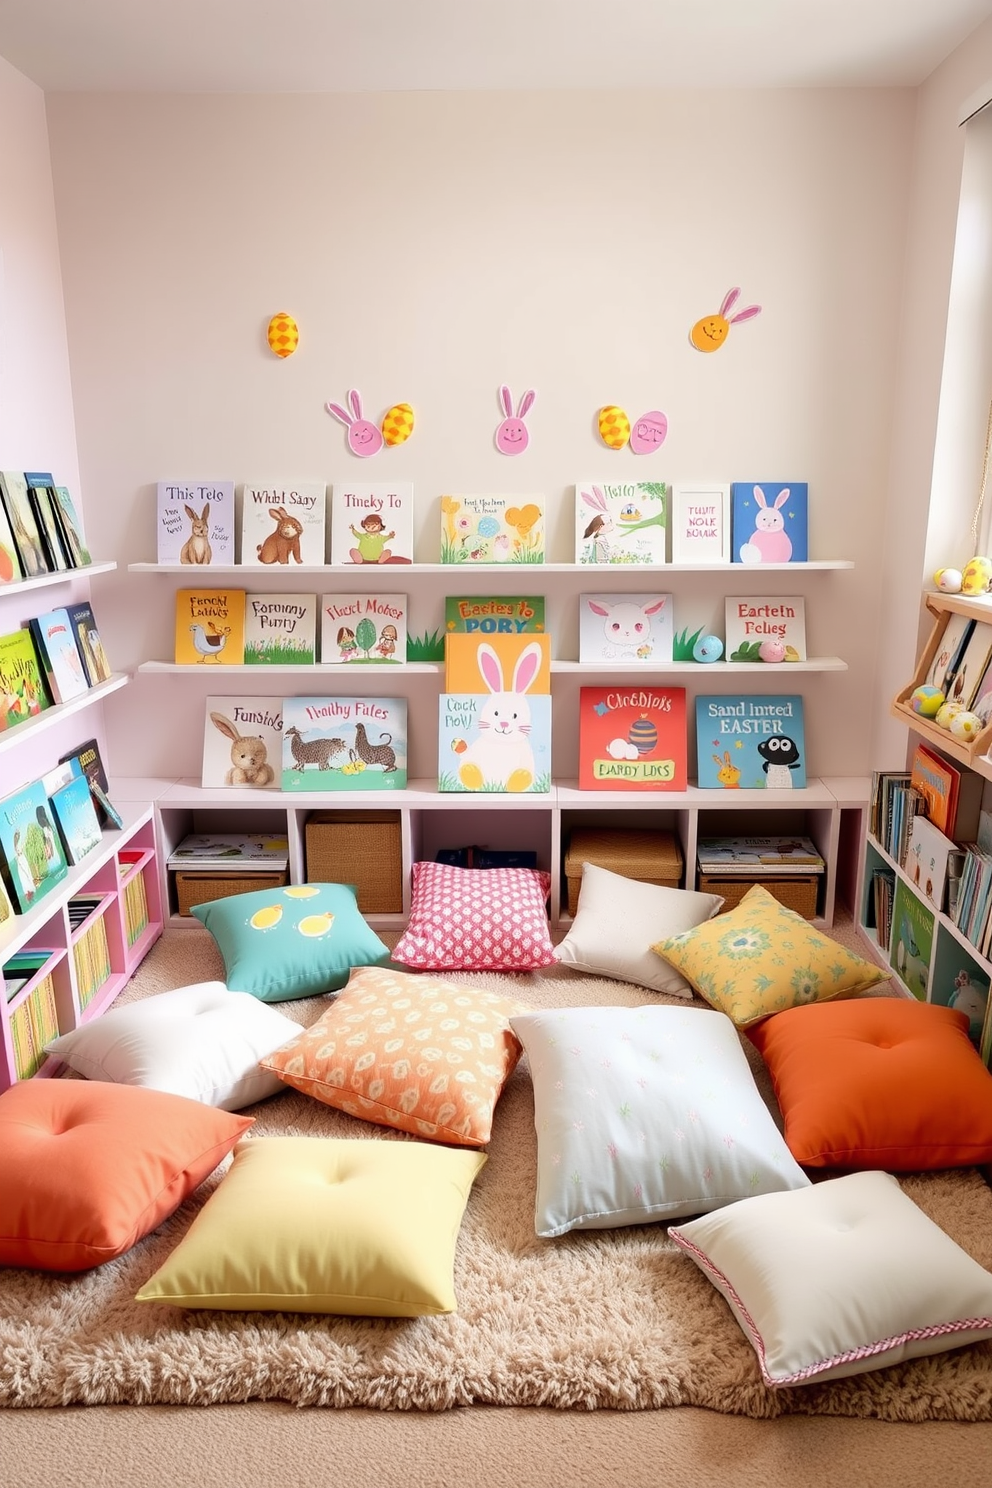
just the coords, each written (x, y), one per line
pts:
(618, 920)
(846, 1276)
(202, 1041)
(645, 1113)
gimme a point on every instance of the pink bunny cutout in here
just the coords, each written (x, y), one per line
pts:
(363, 437)
(769, 542)
(512, 437)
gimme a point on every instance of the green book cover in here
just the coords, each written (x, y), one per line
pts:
(912, 940)
(494, 614)
(23, 692)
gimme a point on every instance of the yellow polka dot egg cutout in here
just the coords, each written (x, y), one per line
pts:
(397, 426)
(283, 335)
(614, 426)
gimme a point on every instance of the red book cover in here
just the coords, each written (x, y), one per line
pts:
(937, 781)
(632, 738)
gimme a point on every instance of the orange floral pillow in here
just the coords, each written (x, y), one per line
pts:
(419, 1053)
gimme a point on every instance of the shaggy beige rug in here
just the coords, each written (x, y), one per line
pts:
(617, 1319)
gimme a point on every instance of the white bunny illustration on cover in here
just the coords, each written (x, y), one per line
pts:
(769, 542)
(501, 756)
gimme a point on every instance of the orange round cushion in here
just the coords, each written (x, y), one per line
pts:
(88, 1167)
(878, 1082)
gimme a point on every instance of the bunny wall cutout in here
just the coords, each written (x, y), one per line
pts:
(366, 438)
(710, 333)
(512, 437)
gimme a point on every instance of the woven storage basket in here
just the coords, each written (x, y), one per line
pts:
(651, 857)
(796, 892)
(360, 848)
(200, 888)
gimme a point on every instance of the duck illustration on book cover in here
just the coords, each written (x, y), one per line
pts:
(344, 744)
(210, 626)
(750, 743)
(632, 738)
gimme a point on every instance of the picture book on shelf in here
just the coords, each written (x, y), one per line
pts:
(981, 703)
(280, 629)
(30, 844)
(497, 664)
(927, 856)
(40, 495)
(195, 522)
(625, 628)
(632, 738)
(965, 674)
(966, 989)
(953, 794)
(624, 522)
(912, 940)
(283, 524)
(344, 744)
(10, 563)
(242, 743)
(210, 626)
(23, 689)
(95, 662)
(251, 853)
(956, 631)
(76, 818)
(701, 524)
(71, 527)
(498, 743)
(20, 514)
(55, 642)
(372, 523)
(364, 629)
(88, 757)
(751, 742)
(492, 529)
(753, 619)
(747, 855)
(494, 614)
(769, 521)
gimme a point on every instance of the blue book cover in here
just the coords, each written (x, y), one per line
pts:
(344, 744)
(35, 861)
(750, 742)
(55, 642)
(480, 751)
(75, 814)
(769, 522)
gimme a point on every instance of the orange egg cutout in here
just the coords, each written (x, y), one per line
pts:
(709, 333)
(283, 334)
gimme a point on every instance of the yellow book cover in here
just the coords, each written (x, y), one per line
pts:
(492, 663)
(210, 626)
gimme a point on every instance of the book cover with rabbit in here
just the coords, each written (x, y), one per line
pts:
(363, 629)
(195, 522)
(283, 524)
(494, 742)
(621, 523)
(769, 522)
(280, 629)
(242, 743)
(492, 529)
(475, 662)
(210, 626)
(344, 744)
(372, 523)
(750, 742)
(632, 738)
(634, 629)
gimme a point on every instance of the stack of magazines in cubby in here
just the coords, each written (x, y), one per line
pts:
(135, 899)
(35, 1022)
(90, 951)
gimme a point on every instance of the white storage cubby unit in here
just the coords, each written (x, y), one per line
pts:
(829, 811)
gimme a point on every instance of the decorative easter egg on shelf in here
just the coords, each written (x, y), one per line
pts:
(946, 712)
(283, 335)
(707, 648)
(772, 650)
(649, 432)
(977, 576)
(397, 426)
(948, 580)
(926, 700)
(614, 426)
(966, 726)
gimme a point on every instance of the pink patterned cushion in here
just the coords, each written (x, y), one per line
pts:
(477, 919)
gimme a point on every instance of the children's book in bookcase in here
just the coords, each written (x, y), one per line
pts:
(195, 522)
(492, 529)
(363, 629)
(76, 818)
(965, 675)
(486, 663)
(210, 626)
(494, 614)
(283, 524)
(71, 527)
(90, 762)
(701, 524)
(55, 642)
(494, 717)
(753, 619)
(911, 940)
(621, 523)
(344, 744)
(750, 742)
(372, 523)
(634, 628)
(242, 743)
(40, 494)
(280, 629)
(95, 660)
(10, 563)
(927, 857)
(632, 738)
(956, 631)
(23, 689)
(32, 852)
(769, 522)
(952, 795)
(23, 524)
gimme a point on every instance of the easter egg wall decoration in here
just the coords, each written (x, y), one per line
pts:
(709, 333)
(283, 334)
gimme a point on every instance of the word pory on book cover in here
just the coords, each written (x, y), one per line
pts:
(494, 614)
(195, 522)
(344, 744)
(363, 629)
(632, 738)
(372, 523)
(750, 742)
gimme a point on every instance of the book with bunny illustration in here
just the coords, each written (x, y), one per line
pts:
(283, 524)
(195, 522)
(363, 629)
(372, 523)
(242, 743)
(621, 522)
(280, 629)
(344, 744)
(492, 529)
(494, 718)
(632, 738)
(473, 662)
(210, 626)
(625, 629)
(769, 522)
(750, 742)
(755, 618)
(55, 643)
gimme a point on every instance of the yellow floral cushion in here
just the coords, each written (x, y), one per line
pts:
(761, 958)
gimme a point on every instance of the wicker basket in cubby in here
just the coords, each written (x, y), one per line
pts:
(651, 857)
(201, 888)
(796, 892)
(361, 848)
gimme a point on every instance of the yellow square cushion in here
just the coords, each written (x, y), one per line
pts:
(308, 1224)
(762, 958)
